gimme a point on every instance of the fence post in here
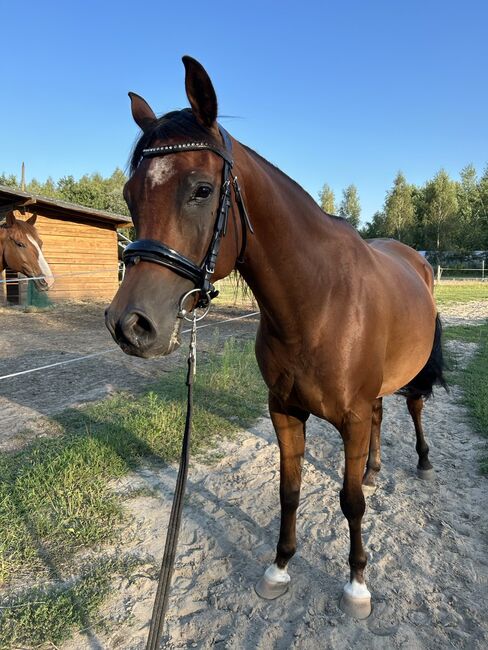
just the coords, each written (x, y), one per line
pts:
(483, 270)
(439, 272)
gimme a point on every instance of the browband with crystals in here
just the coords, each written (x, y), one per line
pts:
(187, 146)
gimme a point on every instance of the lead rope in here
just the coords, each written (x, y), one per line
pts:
(166, 571)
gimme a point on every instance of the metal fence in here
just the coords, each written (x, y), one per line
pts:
(459, 273)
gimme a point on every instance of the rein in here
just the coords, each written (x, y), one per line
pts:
(167, 564)
(150, 250)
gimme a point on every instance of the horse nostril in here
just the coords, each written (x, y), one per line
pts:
(136, 328)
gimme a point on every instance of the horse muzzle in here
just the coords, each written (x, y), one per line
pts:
(137, 335)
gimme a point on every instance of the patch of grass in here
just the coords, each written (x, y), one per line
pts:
(54, 495)
(449, 292)
(474, 378)
(49, 615)
(234, 292)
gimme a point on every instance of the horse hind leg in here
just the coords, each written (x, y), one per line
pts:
(424, 467)
(374, 458)
(289, 425)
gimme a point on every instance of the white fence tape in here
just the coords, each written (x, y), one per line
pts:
(102, 352)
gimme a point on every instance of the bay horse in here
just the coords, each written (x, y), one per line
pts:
(343, 321)
(21, 250)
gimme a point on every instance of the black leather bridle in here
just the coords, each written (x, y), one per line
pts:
(151, 250)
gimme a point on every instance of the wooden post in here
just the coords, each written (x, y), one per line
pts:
(22, 182)
(483, 270)
(439, 273)
(3, 289)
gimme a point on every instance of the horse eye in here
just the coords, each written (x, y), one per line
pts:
(203, 192)
(20, 244)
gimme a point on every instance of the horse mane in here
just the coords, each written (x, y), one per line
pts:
(175, 124)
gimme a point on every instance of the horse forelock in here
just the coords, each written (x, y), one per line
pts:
(176, 124)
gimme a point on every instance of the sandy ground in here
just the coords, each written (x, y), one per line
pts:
(427, 541)
(427, 545)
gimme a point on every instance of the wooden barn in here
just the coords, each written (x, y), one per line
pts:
(79, 243)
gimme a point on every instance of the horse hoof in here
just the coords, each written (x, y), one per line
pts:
(368, 490)
(273, 584)
(356, 600)
(426, 474)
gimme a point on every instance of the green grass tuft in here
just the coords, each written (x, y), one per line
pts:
(49, 615)
(462, 292)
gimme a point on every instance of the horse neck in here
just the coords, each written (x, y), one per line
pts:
(296, 247)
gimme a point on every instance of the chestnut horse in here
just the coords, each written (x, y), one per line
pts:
(343, 321)
(21, 250)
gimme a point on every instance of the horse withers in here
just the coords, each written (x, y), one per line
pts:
(21, 250)
(343, 322)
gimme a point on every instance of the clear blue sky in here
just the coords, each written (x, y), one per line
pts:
(337, 92)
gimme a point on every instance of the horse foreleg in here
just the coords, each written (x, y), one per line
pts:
(355, 431)
(374, 458)
(424, 467)
(289, 425)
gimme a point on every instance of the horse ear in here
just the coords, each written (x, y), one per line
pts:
(142, 113)
(200, 92)
(10, 219)
(32, 220)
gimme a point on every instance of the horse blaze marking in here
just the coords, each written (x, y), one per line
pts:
(159, 171)
(46, 271)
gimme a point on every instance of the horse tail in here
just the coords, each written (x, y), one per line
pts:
(432, 373)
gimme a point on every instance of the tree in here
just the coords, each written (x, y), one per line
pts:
(468, 226)
(327, 199)
(442, 207)
(48, 188)
(350, 208)
(9, 181)
(399, 208)
(483, 217)
(375, 228)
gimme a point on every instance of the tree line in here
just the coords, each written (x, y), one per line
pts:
(443, 214)
(91, 190)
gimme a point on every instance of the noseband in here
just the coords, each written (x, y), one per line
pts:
(150, 250)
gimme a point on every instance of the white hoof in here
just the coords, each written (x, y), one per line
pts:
(356, 600)
(368, 490)
(273, 584)
(426, 474)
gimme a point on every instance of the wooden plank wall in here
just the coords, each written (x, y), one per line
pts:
(82, 256)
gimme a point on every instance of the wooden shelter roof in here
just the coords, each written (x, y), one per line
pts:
(13, 199)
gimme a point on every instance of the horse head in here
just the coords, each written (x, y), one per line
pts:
(174, 195)
(22, 250)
